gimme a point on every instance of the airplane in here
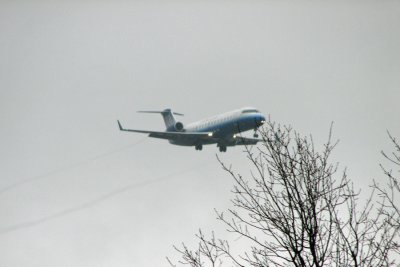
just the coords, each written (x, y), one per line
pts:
(221, 129)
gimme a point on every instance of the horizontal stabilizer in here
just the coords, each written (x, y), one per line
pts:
(160, 112)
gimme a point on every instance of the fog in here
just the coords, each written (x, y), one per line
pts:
(75, 191)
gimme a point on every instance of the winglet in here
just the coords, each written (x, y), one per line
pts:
(120, 126)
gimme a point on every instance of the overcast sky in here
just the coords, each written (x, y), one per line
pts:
(75, 191)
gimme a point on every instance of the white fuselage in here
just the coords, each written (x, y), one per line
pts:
(225, 126)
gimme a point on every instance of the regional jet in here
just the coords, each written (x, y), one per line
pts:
(223, 129)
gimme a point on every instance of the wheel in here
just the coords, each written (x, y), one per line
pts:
(199, 147)
(222, 148)
(255, 135)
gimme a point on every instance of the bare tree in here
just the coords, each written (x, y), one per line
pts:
(393, 180)
(295, 209)
(390, 192)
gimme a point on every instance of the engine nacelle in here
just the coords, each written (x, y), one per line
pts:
(179, 126)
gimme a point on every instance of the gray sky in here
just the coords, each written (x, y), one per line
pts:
(68, 70)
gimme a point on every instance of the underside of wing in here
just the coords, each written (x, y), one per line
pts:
(179, 135)
(171, 135)
(238, 140)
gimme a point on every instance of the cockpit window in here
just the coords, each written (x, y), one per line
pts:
(250, 111)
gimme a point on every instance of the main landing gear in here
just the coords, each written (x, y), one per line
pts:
(222, 148)
(199, 147)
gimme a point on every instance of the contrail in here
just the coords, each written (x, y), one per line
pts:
(68, 167)
(95, 201)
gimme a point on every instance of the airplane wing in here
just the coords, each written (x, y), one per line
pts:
(246, 141)
(170, 135)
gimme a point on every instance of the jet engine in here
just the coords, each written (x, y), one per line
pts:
(179, 126)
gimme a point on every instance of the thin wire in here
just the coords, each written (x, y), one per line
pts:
(68, 167)
(96, 201)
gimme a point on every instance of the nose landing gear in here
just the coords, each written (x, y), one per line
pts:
(255, 133)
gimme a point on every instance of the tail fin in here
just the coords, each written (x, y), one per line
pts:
(168, 117)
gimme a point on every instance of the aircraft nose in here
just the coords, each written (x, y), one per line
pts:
(261, 120)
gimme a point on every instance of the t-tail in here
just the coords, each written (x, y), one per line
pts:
(169, 119)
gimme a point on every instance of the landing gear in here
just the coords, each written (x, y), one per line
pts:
(222, 148)
(199, 147)
(255, 133)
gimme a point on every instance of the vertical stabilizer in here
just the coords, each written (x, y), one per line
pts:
(168, 116)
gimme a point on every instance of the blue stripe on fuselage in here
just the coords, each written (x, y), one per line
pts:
(233, 126)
